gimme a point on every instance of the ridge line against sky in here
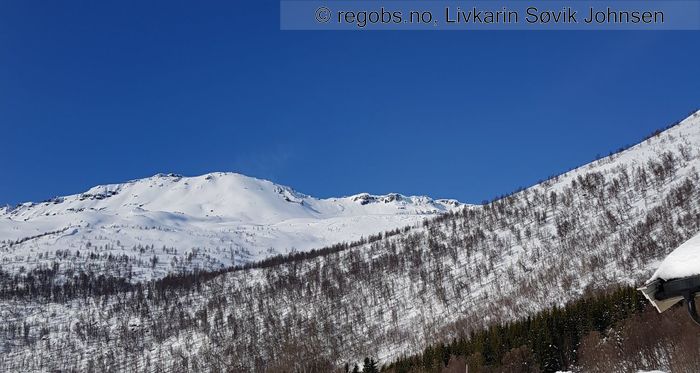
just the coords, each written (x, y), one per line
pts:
(111, 91)
(598, 156)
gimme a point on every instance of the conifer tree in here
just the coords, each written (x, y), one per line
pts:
(370, 366)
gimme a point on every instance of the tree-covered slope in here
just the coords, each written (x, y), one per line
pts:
(604, 223)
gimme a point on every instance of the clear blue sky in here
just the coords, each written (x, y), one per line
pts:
(96, 92)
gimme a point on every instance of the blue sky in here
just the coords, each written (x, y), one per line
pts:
(99, 92)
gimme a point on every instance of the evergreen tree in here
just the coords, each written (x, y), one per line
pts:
(370, 366)
(547, 341)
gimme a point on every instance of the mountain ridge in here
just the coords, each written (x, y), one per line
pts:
(601, 225)
(233, 218)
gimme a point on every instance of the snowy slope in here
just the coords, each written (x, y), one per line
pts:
(605, 223)
(223, 218)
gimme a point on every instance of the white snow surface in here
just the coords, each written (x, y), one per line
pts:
(415, 309)
(226, 218)
(681, 262)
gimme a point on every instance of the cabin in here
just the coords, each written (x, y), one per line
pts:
(677, 279)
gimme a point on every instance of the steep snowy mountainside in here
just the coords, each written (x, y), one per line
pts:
(606, 223)
(213, 220)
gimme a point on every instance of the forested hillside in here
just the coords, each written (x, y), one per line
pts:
(612, 330)
(546, 342)
(602, 224)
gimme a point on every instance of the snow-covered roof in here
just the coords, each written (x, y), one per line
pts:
(681, 262)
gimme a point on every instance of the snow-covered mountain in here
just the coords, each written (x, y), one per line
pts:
(606, 223)
(208, 221)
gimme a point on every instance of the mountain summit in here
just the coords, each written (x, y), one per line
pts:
(217, 219)
(605, 224)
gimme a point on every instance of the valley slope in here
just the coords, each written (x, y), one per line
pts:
(603, 224)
